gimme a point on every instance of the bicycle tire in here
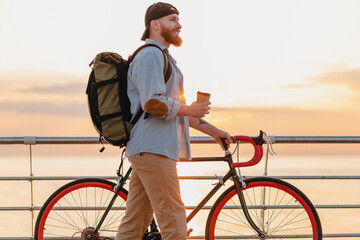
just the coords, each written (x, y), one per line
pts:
(76, 208)
(285, 213)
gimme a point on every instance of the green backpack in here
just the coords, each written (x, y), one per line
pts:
(108, 102)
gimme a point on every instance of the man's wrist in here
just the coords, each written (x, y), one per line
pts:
(185, 110)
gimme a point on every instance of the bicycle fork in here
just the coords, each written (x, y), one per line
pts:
(239, 187)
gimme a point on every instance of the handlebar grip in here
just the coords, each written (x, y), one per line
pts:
(224, 143)
(257, 147)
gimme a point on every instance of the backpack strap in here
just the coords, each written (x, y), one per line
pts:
(138, 115)
(167, 66)
(167, 73)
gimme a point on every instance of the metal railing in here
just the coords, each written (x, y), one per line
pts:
(32, 140)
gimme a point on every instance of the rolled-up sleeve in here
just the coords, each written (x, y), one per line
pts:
(149, 80)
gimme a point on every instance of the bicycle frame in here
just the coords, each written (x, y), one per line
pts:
(257, 143)
(238, 184)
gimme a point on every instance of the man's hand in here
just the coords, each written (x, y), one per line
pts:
(199, 110)
(222, 134)
(196, 110)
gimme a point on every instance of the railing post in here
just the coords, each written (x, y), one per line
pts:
(263, 190)
(31, 140)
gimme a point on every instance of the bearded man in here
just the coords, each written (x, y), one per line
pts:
(160, 139)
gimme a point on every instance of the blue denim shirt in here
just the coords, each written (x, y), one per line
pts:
(163, 132)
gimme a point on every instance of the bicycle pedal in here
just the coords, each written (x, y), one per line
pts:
(189, 231)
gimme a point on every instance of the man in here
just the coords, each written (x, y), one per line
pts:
(158, 141)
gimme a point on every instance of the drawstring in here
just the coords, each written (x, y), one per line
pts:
(120, 171)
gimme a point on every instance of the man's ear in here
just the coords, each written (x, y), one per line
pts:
(155, 25)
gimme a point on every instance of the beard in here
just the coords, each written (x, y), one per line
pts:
(170, 37)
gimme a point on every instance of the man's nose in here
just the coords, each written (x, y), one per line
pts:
(179, 25)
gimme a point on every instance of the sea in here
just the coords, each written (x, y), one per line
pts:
(85, 160)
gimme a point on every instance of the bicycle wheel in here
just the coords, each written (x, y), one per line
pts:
(279, 209)
(74, 210)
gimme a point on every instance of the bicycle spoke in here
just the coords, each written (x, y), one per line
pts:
(252, 201)
(74, 224)
(255, 211)
(272, 217)
(241, 213)
(274, 203)
(99, 214)
(287, 224)
(110, 220)
(270, 193)
(239, 209)
(55, 235)
(77, 205)
(81, 204)
(228, 231)
(279, 224)
(56, 226)
(64, 222)
(244, 224)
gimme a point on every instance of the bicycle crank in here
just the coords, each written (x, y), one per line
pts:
(90, 234)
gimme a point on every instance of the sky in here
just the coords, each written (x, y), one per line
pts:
(287, 67)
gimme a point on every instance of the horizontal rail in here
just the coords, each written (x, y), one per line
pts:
(95, 140)
(37, 208)
(315, 139)
(180, 177)
(27, 140)
(349, 235)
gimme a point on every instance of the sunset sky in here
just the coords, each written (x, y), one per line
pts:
(287, 67)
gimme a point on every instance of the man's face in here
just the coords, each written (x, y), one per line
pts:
(170, 29)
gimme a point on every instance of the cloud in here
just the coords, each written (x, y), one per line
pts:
(31, 77)
(28, 92)
(67, 88)
(349, 78)
(286, 120)
(50, 83)
(49, 108)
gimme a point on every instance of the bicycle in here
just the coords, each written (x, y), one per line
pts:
(254, 208)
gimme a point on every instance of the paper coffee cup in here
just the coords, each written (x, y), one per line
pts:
(202, 97)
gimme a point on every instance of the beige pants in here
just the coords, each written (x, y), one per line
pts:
(154, 187)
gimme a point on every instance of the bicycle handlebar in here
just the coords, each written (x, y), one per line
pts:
(257, 143)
